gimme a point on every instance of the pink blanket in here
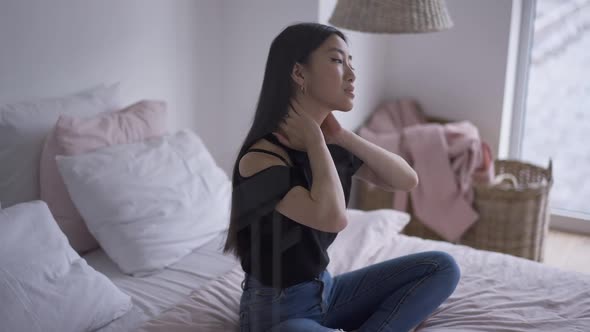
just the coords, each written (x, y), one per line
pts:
(447, 158)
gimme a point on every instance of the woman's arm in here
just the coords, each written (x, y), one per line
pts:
(326, 188)
(381, 167)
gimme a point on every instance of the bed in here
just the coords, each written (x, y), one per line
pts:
(497, 292)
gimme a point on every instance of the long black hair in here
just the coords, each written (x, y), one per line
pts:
(293, 45)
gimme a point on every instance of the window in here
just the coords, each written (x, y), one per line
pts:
(551, 117)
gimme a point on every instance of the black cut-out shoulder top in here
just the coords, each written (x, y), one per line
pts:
(300, 252)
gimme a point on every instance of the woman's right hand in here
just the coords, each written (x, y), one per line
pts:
(298, 130)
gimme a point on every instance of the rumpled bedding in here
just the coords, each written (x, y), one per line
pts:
(497, 292)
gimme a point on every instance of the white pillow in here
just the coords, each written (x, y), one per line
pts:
(367, 230)
(357, 219)
(23, 128)
(149, 204)
(44, 284)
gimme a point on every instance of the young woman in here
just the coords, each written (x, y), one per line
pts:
(292, 183)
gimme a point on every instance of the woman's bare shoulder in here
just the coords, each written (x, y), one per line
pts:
(254, 162)
(269, 146)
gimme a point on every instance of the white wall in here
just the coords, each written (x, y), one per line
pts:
(156, 48)
(458, 73)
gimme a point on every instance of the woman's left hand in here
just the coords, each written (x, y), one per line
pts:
(331, 129)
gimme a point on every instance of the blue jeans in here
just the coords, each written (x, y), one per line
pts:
(394, 295)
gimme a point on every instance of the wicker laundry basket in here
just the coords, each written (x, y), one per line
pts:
(513, 214)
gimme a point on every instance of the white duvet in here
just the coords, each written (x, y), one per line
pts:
(497, 292)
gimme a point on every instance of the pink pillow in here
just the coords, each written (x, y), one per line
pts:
(72, 136)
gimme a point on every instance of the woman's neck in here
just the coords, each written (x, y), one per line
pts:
(313, 108)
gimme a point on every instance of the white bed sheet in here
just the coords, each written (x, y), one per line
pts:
(497, 292)
(153, 294)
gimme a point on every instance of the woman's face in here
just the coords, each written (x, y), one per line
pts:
(329, 75)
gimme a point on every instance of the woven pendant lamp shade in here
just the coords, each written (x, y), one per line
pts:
(391, 16)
